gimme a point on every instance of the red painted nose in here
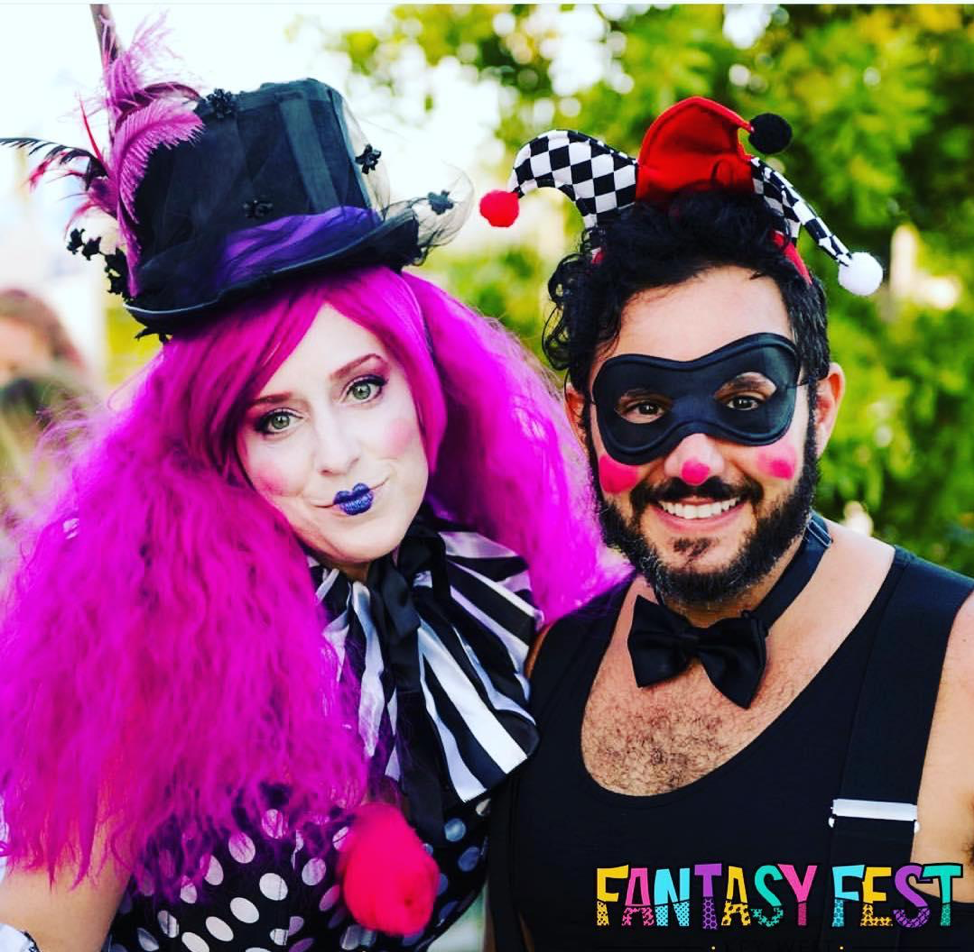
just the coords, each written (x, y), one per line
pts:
(693, 472)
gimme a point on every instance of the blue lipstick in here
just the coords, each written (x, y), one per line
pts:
(354, 501)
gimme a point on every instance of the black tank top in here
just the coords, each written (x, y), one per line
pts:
(767, 806)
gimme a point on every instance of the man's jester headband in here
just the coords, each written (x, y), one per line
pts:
(694, 144)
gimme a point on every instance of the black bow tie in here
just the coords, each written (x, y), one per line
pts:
(662, 643)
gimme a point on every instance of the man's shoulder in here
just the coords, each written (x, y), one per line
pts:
(949, 594)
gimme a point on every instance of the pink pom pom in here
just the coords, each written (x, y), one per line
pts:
(500, 208)
(389, 881)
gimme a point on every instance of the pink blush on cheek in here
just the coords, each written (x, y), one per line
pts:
(616, 477)
(399, 434)
(268, 481)
(778, 461)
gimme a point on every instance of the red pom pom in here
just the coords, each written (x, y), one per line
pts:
(389, 881)
(500, 208)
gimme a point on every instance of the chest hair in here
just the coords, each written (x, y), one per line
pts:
(645, 741)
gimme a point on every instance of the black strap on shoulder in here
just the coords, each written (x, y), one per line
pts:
(874, 816)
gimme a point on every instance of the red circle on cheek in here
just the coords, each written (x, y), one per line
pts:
(616, 477)
(778, 461)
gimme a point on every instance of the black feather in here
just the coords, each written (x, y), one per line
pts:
(63, 153)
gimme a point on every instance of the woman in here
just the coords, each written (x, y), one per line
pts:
(323, 442)
(32, 338)
(29, 465)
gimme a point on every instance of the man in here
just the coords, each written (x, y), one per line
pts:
(754, 742)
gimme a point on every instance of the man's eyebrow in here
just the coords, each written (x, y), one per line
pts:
(338, 374)
(749, 376)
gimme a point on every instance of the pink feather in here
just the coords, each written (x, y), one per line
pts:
(163, 122)
(143, 116)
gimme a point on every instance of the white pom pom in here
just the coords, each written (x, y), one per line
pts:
(862, 275)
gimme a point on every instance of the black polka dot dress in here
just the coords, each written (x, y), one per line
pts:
(264, 888)
(252, 901)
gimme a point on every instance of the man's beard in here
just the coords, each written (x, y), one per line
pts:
(761, 549)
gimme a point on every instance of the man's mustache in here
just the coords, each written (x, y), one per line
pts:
(676, 490)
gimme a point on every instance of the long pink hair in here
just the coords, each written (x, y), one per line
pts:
(160, 642)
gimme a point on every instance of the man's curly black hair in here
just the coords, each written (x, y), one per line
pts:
(647, 246)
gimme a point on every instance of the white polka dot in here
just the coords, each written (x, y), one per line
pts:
(337, 917)
(302, 946)
(219, 929)
(279, 936)
(469, 858)
(146, 885)
(367, 938)
(428, 847)
(244, 910)
(118, 947)
(255, 948)
(329, 898)
(412, 938)
(214, 872)
(351, 937)
(169, 924)
(295, 925)
(188, 893)
(126, 907)
(147, 940)
(194, 943)
(338, 840)
(242, 848)
(483, 808)
(454, 830)
(272, 886)
(314, 871)
(444, 882)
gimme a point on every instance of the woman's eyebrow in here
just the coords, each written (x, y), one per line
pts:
(353, 365)
(338, 374)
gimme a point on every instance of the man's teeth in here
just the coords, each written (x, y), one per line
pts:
(689, 511)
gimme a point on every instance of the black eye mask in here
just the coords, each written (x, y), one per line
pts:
(687, 391)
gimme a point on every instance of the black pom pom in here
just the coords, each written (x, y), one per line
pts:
(769, 133)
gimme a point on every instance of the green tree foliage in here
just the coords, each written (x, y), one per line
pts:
(881, 100)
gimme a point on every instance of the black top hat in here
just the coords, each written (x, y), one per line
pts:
(233, 192)
(280, 181)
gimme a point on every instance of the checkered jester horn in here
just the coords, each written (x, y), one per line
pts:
(693, 144)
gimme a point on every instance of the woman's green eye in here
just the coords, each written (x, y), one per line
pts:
(365, 389)
(361, 390)
(277, 421)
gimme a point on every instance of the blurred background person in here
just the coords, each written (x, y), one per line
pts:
(32, 338)
(42, 377)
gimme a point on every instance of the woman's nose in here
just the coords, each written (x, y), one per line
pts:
(337, 447)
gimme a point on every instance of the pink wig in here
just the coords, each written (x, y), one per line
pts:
(161, 644)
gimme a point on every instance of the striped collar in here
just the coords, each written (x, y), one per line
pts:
(436, 637)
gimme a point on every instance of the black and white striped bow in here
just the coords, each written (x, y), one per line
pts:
(437, 636)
